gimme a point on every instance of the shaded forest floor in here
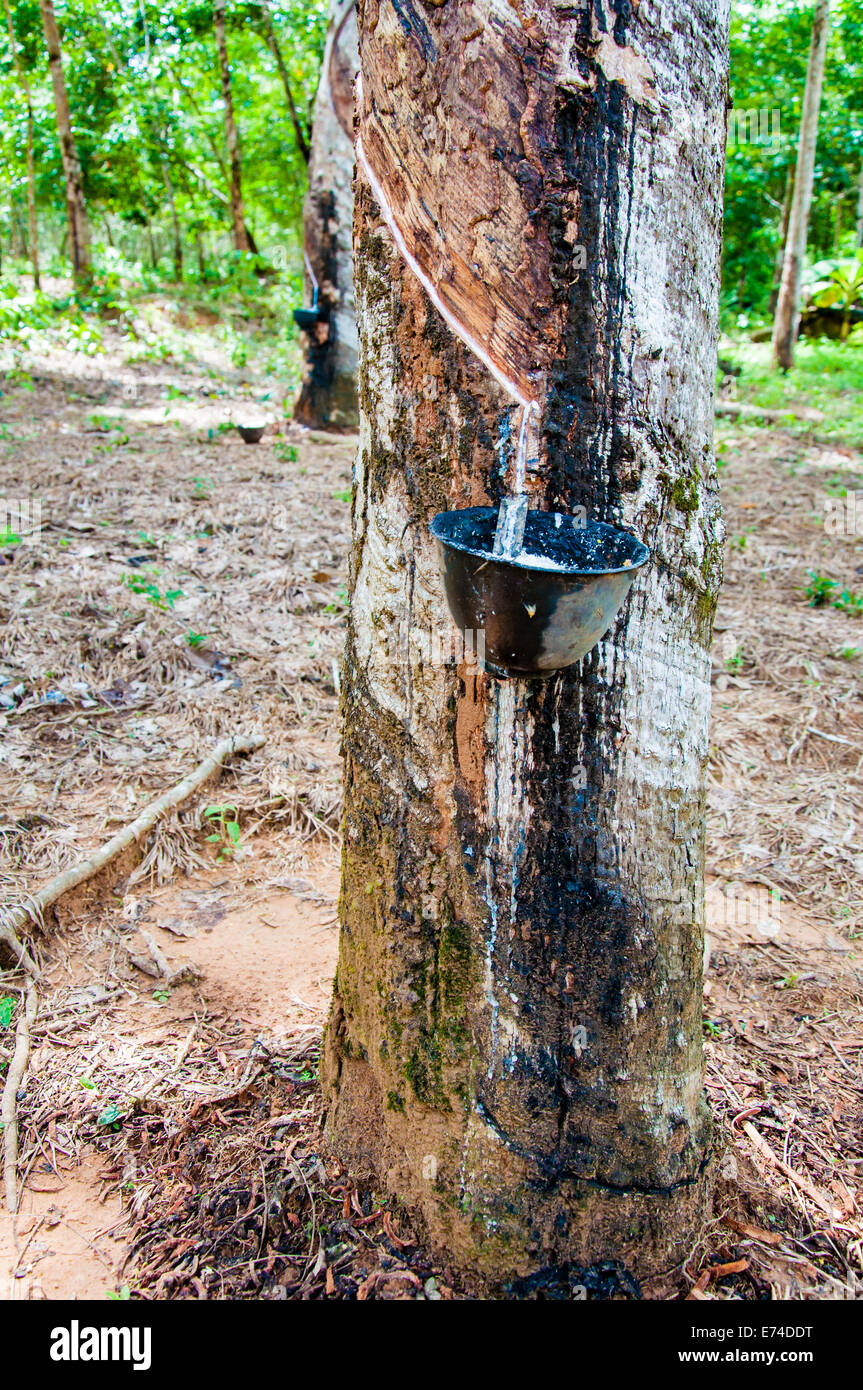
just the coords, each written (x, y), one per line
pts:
(185, 586)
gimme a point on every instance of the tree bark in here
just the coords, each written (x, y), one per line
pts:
(783, 239)
(175, 221)
(787, 321)
(328, 395)
(514, 1047)
(76, 210)
(273, 44)
(31, 176)
(240, 236)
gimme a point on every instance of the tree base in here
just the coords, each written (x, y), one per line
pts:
(333, 406)
(487, 1212)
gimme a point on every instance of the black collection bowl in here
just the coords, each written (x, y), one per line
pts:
(535, 620)
(251, 434)
(307, 318)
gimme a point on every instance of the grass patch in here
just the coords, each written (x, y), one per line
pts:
(826, 375)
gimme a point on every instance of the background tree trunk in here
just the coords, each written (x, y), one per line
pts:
(515, 1041)
(328, 396)
(273, 44)
(31, 177)
(175, 221)
(242, 241)
(783, 239)
(79, 229)
(787, 320)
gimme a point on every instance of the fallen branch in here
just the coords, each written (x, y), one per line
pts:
(745, 411)
(11, 920)
(800, 1180)
(33, 910)
(9, 1109)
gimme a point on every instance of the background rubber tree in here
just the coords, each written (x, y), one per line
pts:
(514, 1048)
(242, 240)
(76, 210)
(33, 230)
(328, 396)
(272, 41)
(787, 320)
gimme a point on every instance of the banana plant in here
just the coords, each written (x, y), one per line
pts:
(837, 284)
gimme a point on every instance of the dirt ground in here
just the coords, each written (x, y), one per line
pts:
(184, 587)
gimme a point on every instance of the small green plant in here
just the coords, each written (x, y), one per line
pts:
(202, 487)
(344, 496)
(788, 982)
(847, 602)
(9, 537)
(341, 601)
(819, 589)
(110, 1117)
(196, 639)
(287, 453)
(140, 585)
(7, 1008)
(226, 829)
(734, 664)
(105, 422)
(120, 1295)
(161, 996)
(849, 653)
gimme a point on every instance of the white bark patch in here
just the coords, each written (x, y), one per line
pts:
(509, 736)
(624, 65)
(398, 587)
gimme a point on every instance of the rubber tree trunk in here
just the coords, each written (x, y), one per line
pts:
(783, 239)
(515, 1042)
(328, 395)
(787, 319)
(239, 233)
(275, 48)
(79, 229)
(176, 231)
(33, 229)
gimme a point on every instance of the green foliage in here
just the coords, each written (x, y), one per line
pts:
(147, 115)
(769, 53)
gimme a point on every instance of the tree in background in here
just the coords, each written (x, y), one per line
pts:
(769, 55)
(76, 210)
(31, 175)
(328, 396)
(275, 48)
(143, 90)
(232, 140)
(514, 1048)
(787, 320)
